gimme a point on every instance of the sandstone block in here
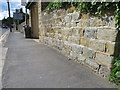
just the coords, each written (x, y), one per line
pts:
(73, 24)
(106, 34)
(97, 45)
(61, 12)
(104, 71)
(110, 48)
(90, 32)
(80, 58)
(84, 41)
(92, 64)
(85, 23)
(104, 59)
(75, 31)
(75, 16)
(73, 55)
(68, 18)
(88, 53)
(78, 49)
(74, 39)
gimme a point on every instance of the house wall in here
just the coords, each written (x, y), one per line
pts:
(34, 21)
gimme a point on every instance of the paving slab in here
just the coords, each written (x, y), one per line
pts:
(32, 65)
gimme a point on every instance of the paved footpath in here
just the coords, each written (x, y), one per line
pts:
(32, 65)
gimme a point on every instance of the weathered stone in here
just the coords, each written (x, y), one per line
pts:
(104, 71)
(61, 12)
(75, 16)
(71, 9)
(68, 18)
(80, 58)
(97, 45)
(58, 20)
(81, 32)
(78, 49)
(56, 35)
(92, 64)
(67, 32)
(88, 53)
(104, 59)
(106, 34)
(84, 41)
(73, 24)
(96, 22)
(74, 39)
(90, 32)
(68, 25)
(110, 48)
(79, 24)
(75, 31)
(60, 36)
(73, 55)
(67, 48)
(85, 16)
(85, 23)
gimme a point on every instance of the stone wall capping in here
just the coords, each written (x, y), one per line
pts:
(106, 27)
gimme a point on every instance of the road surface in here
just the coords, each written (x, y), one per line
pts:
(2, 31)
(32, 65)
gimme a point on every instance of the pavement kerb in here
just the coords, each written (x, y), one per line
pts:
(4, 36)
(3, 53)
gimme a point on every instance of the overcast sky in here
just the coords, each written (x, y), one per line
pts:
(14, 4)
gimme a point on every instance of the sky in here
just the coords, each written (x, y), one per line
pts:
(14, 4)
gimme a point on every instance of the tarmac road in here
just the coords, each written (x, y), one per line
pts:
(32, 65)
(2, 31)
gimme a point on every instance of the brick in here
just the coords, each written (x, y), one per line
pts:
(88, 53)
(104, 59)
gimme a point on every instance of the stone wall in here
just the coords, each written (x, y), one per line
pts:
(89, 40)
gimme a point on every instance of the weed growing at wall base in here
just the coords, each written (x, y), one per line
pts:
(115, 73)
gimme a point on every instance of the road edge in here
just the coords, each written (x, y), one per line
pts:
(3, 51)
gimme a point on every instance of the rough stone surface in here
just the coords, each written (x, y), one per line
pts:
(75, 16)
(97, 45)
(104, 59)
(110, 48)
(81, 58)
(92, 64)
(88, 53)
(90, 32)
(106, 34)
(104, 71)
